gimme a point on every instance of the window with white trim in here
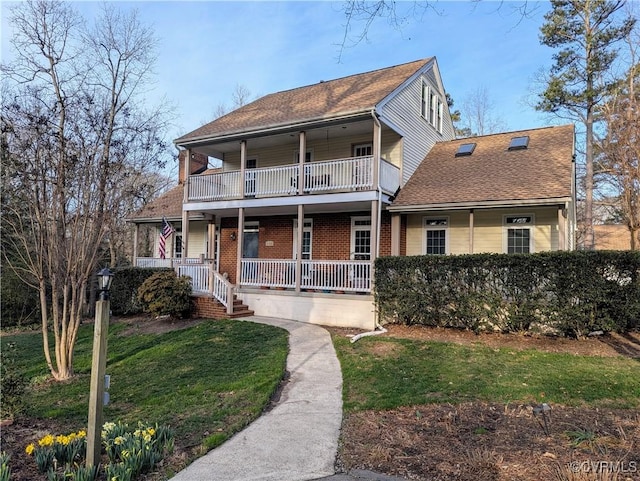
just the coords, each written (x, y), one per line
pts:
(518, 234)
(424, 100)
(307, 239)
(436, 235)
(177, 245)
(431, 107)
(361, 238)
(308, 156)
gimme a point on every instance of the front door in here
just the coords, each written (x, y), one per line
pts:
(250, 241)
(250, 178)
(361, 170)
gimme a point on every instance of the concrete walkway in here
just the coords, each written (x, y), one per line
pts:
(298, 439)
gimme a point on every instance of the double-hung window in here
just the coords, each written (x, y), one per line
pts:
(518, 234)
(361, 238)
(435, 235)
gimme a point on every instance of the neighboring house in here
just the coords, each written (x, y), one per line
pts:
(296, 235)
(511, 192)
(613, 237)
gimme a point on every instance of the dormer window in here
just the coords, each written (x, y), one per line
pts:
(519, 143)
(465, 149)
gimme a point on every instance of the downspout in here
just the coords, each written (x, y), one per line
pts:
(378, 149)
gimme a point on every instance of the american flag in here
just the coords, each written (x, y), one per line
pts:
(167, 230)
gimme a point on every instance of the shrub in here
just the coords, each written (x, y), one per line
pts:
(124, 289)
(164, 293)
(570, 293)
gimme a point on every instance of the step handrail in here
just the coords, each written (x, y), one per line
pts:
(222, 289)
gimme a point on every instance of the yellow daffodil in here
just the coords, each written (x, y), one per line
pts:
(30, 449)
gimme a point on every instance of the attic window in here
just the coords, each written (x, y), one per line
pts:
(465, 149)
(519, 143)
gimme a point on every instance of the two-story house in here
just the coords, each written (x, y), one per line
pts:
(305, 200)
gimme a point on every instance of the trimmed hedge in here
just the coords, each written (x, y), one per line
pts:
(124, 289)
(569, 293)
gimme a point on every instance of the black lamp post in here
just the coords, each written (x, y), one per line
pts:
(105, 278)
(98, 367)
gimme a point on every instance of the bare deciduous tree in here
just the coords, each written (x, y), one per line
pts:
(79, 137)
(618, 164)
(477, 114)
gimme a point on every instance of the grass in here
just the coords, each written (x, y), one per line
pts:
(207, 382)
(385, 373)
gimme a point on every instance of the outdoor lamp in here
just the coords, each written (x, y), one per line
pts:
(105, 277)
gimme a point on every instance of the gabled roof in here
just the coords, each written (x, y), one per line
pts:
(492, 174)
(325, 100)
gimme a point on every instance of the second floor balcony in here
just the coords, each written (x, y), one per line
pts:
(322, 177)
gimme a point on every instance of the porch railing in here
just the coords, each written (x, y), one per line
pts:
(338, 175)
(324, 275)
(205, 280)
(169, 263)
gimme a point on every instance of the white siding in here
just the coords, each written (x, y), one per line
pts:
(403, 111)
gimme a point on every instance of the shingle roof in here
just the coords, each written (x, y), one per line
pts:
(167, 205)
(324, 100)
(492, 173)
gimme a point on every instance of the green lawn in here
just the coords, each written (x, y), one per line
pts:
(384, 373)
(212, 378)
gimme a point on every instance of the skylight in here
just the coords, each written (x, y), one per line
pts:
(519, 143)
(465, 149)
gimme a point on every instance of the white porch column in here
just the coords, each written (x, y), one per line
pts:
(471, 221)
(377, 149)
(186, 173)
(185, 214)
(211, 235)
(135, 244)
(396, 223)
(299, 237)
(562, 231)
(185, 234)
(375, 233)
(240, 240)
(243, 167)
(301, 157)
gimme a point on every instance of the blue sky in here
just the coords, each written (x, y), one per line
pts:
(207, 48)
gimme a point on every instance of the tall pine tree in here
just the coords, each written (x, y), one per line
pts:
(586, 33)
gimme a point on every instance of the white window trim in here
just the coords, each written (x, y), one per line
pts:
(362, 145)
(308, 227)
(296, 155)
(435, 227)
(505, 230)
(424, 100)
(355, 228)
(174, 244)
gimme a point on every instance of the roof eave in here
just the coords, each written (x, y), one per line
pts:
(275, 128)
(480, 205)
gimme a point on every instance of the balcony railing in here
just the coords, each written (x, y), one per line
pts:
(323, 275)
(169, 263)
(340, 175)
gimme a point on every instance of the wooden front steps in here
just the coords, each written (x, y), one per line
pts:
(210, 307)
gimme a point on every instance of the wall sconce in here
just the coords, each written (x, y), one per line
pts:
(233, 236)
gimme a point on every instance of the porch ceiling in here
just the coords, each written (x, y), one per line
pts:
(259, 141)
(262, 211)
